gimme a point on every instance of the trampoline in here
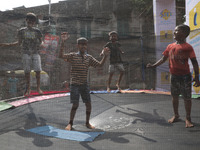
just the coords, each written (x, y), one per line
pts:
(128, 120)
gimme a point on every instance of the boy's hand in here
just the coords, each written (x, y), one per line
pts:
(149, 65)
(105, 51)
(65, 36)
(197, 83)
(42, 44)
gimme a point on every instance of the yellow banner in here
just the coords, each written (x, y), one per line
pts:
(194, 17)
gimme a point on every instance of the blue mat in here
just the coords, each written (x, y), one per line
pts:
(64, 134)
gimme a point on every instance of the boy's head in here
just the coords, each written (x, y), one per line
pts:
(12, 73)
(82, 44)
(185, 29)
(113, 36)
(31, 18)
(112, 32)
(81, 40)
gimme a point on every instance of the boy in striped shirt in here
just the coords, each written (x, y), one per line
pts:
(80, 62)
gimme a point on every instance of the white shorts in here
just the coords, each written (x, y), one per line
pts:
(31, 62)
(116, 67)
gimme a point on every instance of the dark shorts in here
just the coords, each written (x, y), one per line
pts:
(80, 90)
(181, 85)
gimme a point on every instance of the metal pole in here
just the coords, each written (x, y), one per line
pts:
(49, 11)
(141, 40)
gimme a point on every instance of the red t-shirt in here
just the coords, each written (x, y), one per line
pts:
(178, 55)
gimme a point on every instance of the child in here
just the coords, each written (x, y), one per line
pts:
(65, 86)
(115, 59)
(12, 82)
(178, 54)
(80, 62)
(30, 39)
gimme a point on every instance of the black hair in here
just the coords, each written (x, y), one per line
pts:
(112, 32)
(185, 29)
(31, 16)
(81, 40)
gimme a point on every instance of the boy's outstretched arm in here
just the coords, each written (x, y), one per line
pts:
(105, 53)
(196, 71)
(158, 63)
(9, 44)
(64, 36)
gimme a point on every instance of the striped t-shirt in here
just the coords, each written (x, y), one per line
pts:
(79, 67)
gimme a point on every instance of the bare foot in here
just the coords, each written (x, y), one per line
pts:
(40, 92)
(68, 127)
(28, 92)
(173, 119)
(188, 124)
(118, 88)
(89, 126)
(108, 89)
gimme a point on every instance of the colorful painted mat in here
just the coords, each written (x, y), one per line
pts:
(4, 106)
(35, 93)
(50, 95)
(36, 98)
(46, 97)
(131, 91)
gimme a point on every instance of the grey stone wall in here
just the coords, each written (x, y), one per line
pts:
(93, 19)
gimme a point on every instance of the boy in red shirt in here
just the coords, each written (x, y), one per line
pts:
(178, 54)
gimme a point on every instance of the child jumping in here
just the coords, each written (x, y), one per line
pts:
(116, 63)
(80, 62)
(178, 54)
(30, 39)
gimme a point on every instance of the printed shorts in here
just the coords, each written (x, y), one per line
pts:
(31, 62)
(116, 67)
(181, 85)
(79, 90)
